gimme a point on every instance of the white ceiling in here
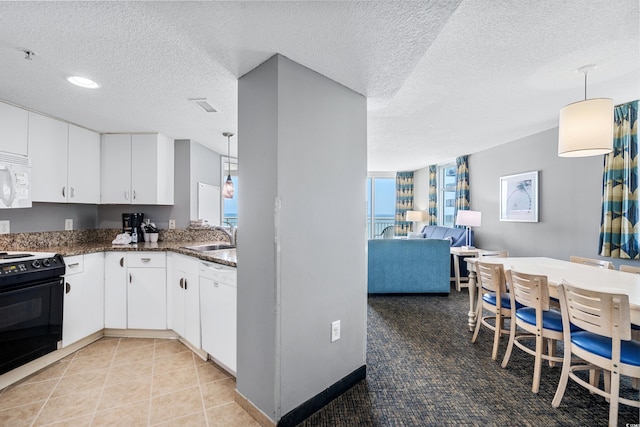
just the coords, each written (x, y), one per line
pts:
(442, 78)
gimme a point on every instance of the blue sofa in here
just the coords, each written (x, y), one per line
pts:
(456, 235)
(408, 266)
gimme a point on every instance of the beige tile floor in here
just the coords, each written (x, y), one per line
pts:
(125, 382)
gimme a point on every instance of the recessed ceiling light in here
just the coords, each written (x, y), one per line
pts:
(83, 82)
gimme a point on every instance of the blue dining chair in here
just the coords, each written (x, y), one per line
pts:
(603, 343)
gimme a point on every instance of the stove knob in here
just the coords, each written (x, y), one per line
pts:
(35, 264)
(46, 262)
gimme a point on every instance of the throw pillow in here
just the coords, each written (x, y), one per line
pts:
(415, 235)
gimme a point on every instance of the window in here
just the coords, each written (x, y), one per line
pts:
(381, 203)
(446, 194)
(230, 206)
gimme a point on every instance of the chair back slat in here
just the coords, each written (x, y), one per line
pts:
(491, 277)
(597, 312)
(592, 262)
(630, 269)
(499, 254)
(531, 290)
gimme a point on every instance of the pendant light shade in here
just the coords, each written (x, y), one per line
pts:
(227, 188)
(586, 127)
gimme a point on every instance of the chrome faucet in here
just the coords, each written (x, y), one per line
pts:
(231, 232)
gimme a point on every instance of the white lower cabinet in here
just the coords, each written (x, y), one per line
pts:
(218, 300)
(115, 290)
(84, 297)
(136, 290)
(185, 297)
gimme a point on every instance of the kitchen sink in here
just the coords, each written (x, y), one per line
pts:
(206, 248)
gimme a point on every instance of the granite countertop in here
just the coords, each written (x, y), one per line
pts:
(223, 256)
(80, 242)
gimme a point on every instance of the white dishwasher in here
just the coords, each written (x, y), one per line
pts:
(218, 309)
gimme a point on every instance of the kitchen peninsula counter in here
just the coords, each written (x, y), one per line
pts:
(76, 244)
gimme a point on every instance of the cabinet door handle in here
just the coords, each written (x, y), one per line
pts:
(145, 259)
(126, 195)
(122, 262)
(129, 277)
(63, 192)
(181, 283)
(185, 284)
(73, 192)
(134, 194)
(67, 288)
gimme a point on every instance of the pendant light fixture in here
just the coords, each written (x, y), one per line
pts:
(227, 188)
(586, 127)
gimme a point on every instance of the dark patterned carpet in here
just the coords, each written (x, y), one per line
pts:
(423, 370)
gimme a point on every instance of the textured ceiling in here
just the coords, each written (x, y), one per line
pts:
(442, 78)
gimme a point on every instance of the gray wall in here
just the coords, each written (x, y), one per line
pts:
(50, 217)
(569, 199)
(292, 122)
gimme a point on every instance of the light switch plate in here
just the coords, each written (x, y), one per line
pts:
(5, 227)
(172, 224)
(68, 224)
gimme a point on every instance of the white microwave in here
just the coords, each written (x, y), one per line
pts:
(15, 181)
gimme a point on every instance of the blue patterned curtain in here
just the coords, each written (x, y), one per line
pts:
(404, 202)
(462, 184)
(620, 210)
(433, 195)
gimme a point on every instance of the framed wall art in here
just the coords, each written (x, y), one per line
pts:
(519, 197)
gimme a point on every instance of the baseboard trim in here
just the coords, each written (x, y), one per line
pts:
(140, 333)
(255, 412)
(308, 408)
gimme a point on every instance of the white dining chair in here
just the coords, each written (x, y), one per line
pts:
(495, 299)
(603, 343)
(530, 295)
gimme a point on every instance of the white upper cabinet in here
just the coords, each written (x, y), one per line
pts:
(14, 124)
(65, 161)
(137, 169)
(83, 178)
(48, 152)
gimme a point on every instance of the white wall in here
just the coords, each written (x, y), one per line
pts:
(302, 139)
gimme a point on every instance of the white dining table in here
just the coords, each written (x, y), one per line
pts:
(583, 276)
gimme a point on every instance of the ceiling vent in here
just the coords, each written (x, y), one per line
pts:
(204, 104)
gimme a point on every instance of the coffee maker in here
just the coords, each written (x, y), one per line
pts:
(132, 224)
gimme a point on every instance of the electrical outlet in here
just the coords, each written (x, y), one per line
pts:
(68, 224)
(5, 227)
(335, 331)
(172, 224)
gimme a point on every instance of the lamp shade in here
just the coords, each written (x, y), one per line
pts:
(586, 128)
(416, 216)
(469, 218)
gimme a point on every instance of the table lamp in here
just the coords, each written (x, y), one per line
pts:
(468, 219)
(415, 216)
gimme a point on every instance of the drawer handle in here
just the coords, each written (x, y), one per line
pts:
(67, 288)
(211, 266)
(145, 259)
(73, 265)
